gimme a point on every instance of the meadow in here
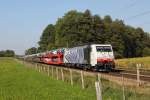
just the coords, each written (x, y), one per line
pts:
(130, 63)
(22, 82)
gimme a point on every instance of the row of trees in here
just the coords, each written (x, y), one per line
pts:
(7, 53)
(30, 51)
(79, 28)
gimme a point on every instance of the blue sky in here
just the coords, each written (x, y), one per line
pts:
(22, 21)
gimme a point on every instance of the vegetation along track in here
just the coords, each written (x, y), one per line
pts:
(119, 73)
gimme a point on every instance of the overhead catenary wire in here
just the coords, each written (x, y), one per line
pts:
(130, 5)
(138, 15)
(144, 23)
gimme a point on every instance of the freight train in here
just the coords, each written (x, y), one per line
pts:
(97, 57)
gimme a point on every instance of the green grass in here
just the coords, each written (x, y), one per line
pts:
(17, 82)
(20, 83)
(110, 90)
(131, 62)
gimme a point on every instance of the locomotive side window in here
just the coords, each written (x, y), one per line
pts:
(103, 48)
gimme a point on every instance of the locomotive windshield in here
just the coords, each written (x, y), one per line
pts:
(103, 48)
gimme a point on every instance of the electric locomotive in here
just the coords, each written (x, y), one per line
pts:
(94, 56)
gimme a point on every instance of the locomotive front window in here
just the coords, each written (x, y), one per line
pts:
(103, 48)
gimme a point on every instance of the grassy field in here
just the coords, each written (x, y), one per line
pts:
(17, 82)
(131, 62)
(20, 83)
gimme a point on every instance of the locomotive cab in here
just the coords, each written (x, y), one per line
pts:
(102, 57)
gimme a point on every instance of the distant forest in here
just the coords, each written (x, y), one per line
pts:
(80, 28)
(7, 53)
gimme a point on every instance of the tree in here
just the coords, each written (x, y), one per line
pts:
(68, 30)
(2, 53)
(7, 53)
(107, 19)
(146, 51)
(48, 37)
(30, 51)
(79, 28)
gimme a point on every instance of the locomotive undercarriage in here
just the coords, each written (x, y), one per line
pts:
(107, 66)
(104, 66)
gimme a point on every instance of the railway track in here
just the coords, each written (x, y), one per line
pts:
(144, 76)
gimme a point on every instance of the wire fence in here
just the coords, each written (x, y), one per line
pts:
(109, 87)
